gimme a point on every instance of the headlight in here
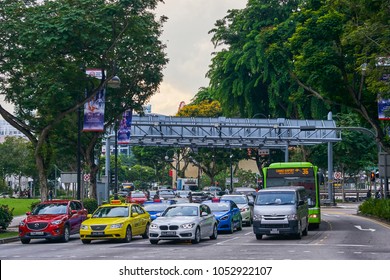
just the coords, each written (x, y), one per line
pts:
(84, 227)
(116, 226)
(313, 216)
(187, 226)
(22, 224)
(224, 218)
(244, 209)
(257, 217)
(292, 217)
(153, 226)
(57, 222)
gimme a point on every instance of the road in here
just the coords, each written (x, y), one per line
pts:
(342, 236)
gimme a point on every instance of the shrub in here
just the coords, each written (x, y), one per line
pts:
(6, 216)
(90, 204)
(34, 204)
(379, 208)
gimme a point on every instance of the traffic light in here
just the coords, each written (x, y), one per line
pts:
(372, 176)
(112, 177)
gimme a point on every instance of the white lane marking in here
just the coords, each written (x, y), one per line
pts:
(364, 229)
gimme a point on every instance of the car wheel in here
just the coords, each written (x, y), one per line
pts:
(25, 240)
(305, 231)
(239, 225)
(299, 234)
(86, 241)
(196, 240)
(259, 236)
(129, 235)
(146, 233)
(66, 235)
(215, 233)
(153, 241)
(231, 229)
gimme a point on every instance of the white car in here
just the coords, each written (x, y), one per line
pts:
(186, 221)
(246, 206)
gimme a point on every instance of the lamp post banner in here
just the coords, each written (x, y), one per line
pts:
(94, 112)
(124, 128)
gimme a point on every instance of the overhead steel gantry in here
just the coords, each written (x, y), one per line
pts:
(158, 130)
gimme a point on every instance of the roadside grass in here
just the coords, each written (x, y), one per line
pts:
(8, 233)
(20, 205)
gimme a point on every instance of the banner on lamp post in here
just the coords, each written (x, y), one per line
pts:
(124, 128)
(94, 109)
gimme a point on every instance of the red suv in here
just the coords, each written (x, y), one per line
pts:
(53, 219)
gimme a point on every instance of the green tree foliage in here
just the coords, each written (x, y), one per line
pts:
(45, 47)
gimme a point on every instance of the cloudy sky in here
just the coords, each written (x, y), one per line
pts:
(189, 48)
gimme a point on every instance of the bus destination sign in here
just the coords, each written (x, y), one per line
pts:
(290, 172)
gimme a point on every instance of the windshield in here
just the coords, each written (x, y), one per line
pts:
(181, 211)
(219, 207)
(155, 207)
(137, 195)
(275, 198)
(50, 209)
(237, 199)
(110, 212)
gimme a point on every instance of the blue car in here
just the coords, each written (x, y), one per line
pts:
(155, 208)
(228, 215)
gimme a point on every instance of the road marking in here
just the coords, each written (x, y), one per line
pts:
(364, 229)
(227, 240)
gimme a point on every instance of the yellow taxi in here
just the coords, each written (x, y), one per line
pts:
(115, 221)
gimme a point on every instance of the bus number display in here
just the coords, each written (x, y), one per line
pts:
(290, 172)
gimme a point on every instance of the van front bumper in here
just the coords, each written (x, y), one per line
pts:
(289, 227)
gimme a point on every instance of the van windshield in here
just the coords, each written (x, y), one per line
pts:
(275, 198)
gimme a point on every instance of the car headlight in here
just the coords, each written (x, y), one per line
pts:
(187, 226)
(245, 209)
(257, 217)
(22, 224)
(116, 226)
(224, 218)
(84, 227)
(153, 226)
(292, 217)
(56, 222)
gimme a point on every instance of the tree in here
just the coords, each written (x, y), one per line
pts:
(45, 48)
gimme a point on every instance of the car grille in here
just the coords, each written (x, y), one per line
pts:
(274, 217)
(174, 227)
(37, 226)
(98, 227)
(275, 225)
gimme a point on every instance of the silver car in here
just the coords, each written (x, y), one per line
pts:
(246, 206)
(186, 221)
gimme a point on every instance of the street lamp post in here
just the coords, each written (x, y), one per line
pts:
(231, 173)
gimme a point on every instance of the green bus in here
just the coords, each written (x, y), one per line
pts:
(297, 174)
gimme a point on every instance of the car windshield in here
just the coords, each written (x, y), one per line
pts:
(237, 199)
(50, 209)
(155, 207)
(166, 193)
(110, 212)
(138, 195)
(219, 207)
(181, 211)
(275, 198)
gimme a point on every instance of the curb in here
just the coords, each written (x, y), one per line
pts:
(9, 240)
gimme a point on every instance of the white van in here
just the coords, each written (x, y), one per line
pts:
(281, 211)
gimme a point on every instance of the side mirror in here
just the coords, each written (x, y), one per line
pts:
(89, 216)
(204, 214)
(134, 215)
(72, 212)
(301, 202)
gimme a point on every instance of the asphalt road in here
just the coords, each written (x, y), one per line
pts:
(343, 235)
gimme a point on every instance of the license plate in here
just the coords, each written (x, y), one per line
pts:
(97, 233)
(37, 233)
(274, 231)
(168, 233)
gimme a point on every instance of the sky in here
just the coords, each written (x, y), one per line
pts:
(188, 49)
